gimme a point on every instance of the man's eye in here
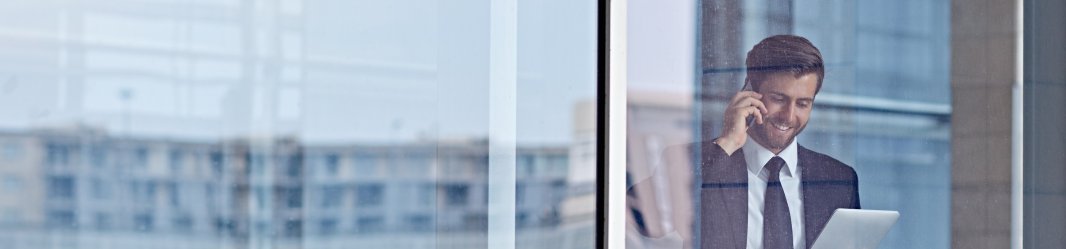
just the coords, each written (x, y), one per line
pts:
(804, 104)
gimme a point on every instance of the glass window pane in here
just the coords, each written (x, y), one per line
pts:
(880, 110)
(297, 124)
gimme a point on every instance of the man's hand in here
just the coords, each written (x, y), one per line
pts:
(735, 128)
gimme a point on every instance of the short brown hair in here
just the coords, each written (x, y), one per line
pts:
(783, 53)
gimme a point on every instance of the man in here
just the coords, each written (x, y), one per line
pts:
(760, 189)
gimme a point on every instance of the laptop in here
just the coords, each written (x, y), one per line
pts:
(855, 228)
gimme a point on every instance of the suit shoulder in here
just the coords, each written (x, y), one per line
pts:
(824, 162)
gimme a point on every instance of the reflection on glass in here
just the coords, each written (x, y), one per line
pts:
(884, 108)
(287, 124)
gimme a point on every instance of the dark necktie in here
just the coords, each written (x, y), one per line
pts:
(776, 223)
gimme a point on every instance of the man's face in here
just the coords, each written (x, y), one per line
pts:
(788, 101)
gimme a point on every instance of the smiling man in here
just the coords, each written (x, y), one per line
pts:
(760, 188)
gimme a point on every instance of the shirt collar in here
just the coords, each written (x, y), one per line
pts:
(757, 156)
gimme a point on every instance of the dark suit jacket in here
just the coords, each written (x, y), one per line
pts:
(827, 184)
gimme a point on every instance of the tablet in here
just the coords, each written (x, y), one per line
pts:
(855, 228)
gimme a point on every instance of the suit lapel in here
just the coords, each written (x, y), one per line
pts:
(823, 192)
(818, 198)
(807, 176)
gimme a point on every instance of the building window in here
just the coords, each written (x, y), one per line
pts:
(370, 224)
(224, 225)
(61, 187)
(143, 222)
(330, 164)
(521, 219)
(369, 195)
(175, 193)
(140, 157)
(183, 223)
(12, 151)
(479, 165)
(419, 223)
(57, 154)
(255, 164)
(293, 228)
(332, 196)
(525, 165)
(143, 191)
(98, 156)
(217, 162)
(327, 226)
(475, 221)
(61, 219)
(456, 195)
(294, 168)
(260, 196)
(293, 197)
(519, 193)
(176, 160)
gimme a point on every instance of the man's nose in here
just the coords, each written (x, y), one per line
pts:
(789, 111)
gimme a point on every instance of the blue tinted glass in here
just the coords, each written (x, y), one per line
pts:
(297, 123)
(883, 109)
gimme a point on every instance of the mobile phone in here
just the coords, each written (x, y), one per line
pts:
(751, 119)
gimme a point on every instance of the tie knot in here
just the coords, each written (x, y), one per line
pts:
(773, 167)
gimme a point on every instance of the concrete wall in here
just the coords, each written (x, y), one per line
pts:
(982, 73)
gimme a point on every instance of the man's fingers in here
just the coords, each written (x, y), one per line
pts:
(748, 112)
(750, 101)
(758, 114)
(752, 111)
(759, 104)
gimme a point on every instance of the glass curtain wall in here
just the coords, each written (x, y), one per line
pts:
(297, 124)
(884, 108)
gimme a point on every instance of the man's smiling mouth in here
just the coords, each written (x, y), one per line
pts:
(780, 126)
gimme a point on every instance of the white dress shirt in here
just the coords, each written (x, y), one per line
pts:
(756, 157)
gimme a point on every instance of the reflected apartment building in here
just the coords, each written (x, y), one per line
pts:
(87, 188)
(166, 67)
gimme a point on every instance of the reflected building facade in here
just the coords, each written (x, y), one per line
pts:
(83, 186)
(284, 124)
